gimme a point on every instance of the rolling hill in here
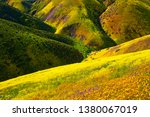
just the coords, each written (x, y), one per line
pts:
(139, 44)
(52, 38)
(76, 18)
(22, 51)
(39, 28)
(97, 79)
(119, 20)
(34, 25)
(125, 20)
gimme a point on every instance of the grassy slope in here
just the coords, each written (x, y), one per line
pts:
(125, 20)
(135, 45)
(76, 18)
(22, 51)
(10, 13)
(22, 48)
(98, 79)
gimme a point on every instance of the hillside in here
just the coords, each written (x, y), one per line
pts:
(135, 45)
(98, 79)
(10, 13)
(43, 30)
(76, 18)
(75, 49)
(22, 51)
(125, 20)
(108, 23)
(34, 25)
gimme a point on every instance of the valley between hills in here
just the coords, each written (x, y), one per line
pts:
(74, 50)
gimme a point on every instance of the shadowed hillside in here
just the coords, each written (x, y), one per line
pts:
(9, 13)
(24, 52)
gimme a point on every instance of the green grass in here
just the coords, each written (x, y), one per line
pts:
(22, 51)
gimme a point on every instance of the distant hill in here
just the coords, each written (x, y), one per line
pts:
(24, 52)
(139, 44)
(76, 18)
(98, 79)
(98, 23)
(10, 13)
(125, 20)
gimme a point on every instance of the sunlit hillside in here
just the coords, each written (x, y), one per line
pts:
(97, 79)
(135, 45)
(125, 20)
(77, 18)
